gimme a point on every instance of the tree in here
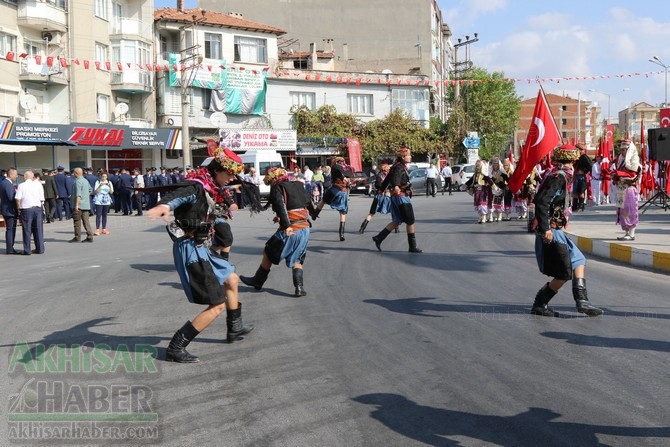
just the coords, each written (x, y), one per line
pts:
(487, 104)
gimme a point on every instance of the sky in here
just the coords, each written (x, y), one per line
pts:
(601, 45)
(572, 46)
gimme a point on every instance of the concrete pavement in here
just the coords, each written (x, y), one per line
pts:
(595, 231)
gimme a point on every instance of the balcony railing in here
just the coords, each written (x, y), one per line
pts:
(29, 69)
(131, 80)
(131, 27)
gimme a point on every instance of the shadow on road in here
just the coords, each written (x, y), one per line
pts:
(537, 426)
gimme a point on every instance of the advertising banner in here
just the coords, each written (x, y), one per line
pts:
(94, 135)
(258, 139)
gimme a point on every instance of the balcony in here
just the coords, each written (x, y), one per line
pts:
(131, 81)
(29, 70)
(122, 28)
(40, 15)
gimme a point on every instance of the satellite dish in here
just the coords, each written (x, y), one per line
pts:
(387, 71)
(218, 119)
(121, 109)
(28, 102)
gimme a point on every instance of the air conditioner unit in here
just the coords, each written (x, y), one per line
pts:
(53, 37)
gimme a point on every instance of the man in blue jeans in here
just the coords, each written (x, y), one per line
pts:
(81, 206)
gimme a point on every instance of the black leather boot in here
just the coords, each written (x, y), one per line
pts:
(176, 351)
(258, 279)
(584, 306)
(234, 323)
(544, 295)
(342, 231)
(380, 238)
(297, 282)
(411, 239)
(313, 211)
(364, 225)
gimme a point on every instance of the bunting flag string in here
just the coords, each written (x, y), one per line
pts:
(399, 80)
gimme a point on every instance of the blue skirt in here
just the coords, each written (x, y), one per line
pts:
(397, 214)
(337, 199)
(576, 256)
(295, 246)
(383, 204)
(186, 254)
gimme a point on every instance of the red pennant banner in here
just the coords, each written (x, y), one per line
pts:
(10, 56)
(119, 66)
(63, 62)
(50, 61)
(38, 59)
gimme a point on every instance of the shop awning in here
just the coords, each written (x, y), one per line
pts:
(18, 145)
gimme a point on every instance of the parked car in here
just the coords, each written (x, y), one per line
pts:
(359, 183)
(417, 177)
(460, 174)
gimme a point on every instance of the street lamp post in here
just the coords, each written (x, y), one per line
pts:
(657, 61)
(609, 101)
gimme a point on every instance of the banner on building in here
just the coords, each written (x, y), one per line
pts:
(354, 154)
(258, 139)
(237, 91)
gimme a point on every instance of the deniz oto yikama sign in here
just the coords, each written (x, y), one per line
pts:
(258, 139)
(95, 136)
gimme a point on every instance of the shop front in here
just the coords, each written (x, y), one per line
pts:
(100, 146)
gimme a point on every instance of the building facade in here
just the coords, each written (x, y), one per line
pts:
(367, 38)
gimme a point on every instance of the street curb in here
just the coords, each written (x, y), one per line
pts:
(623, 253)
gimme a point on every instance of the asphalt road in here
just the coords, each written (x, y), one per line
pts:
(387, 349)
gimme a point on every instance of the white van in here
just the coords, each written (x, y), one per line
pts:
(261, 160)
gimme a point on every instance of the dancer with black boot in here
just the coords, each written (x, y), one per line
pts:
(207, 279)
(289, 201)
(557, 255)
(337, 196)
(397, 181)
(382, 200)
(582, 167)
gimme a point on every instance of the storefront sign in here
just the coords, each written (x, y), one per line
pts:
(94, 136)
(258, 139)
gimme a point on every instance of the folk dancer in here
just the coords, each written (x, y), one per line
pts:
(626, 178)
(382, 201)
(207, 279)
(397, 181)
(557, 255)
(582, 166)
(289, 201)
(478, 187)
(337, 196)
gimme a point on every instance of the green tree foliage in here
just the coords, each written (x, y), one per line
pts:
(490, 108)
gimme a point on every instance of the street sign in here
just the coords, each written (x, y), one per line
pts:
(471, 142)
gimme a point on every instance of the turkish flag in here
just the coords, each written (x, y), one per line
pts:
(10, 56)
(543, 137)
(643, 146)
(665, 117)
(609, 141)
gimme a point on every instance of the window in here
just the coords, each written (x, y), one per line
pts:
(213, 46)
(251, 50)
(57, 3)
(564, 121)
(101, 52)
(206, 95)
(102, 108)
(100, 9)
(414, 101)
(359, 104)
(303, 99)
(7, 43)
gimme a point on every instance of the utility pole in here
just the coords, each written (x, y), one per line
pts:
(189, 64)
(467, 61)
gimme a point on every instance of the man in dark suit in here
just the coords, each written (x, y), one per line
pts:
(63, 197)
(126, 192)
(8, 209)
(113, 178)
(164, 178)
(151, 180)
(50, 194)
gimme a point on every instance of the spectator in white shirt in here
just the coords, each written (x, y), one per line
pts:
(446, 175)
(431, 176)
(29, 201)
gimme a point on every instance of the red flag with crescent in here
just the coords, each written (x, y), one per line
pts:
(543, 137)
(665, 117)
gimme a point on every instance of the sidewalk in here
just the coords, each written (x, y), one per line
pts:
(595, 231)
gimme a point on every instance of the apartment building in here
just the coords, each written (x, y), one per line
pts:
(636, 117)
(78, 87)
(576, 120)
(232, 83)
(379, 36)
